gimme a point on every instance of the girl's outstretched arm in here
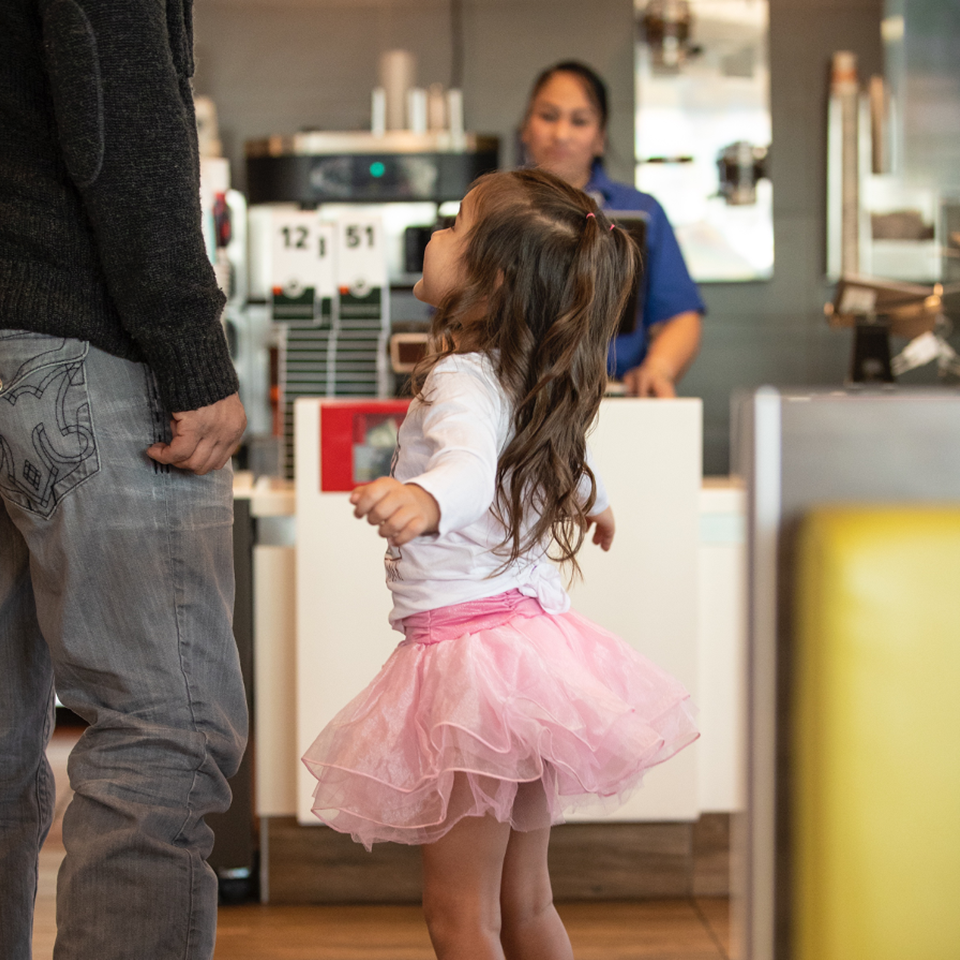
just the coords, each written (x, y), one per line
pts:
(605, 528)
(399, 511)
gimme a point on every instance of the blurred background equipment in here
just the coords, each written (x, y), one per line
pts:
(702, 130)
(893, 183)
(879, 309)
(666, 29)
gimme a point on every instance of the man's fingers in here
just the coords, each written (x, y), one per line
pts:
(188, 453)
(175, 453)
(203, 440)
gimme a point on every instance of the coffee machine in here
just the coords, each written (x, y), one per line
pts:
(404, 176)
(376, 196)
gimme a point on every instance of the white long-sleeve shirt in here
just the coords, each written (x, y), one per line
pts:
(449, 446)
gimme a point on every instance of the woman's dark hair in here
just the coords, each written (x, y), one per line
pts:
(593, 85)
(547, 280)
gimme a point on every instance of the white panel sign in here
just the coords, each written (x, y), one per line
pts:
(362, 263)
(301, 255)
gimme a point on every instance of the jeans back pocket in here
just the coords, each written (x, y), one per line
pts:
(47, 442)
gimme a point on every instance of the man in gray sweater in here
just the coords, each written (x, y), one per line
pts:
(118, 411)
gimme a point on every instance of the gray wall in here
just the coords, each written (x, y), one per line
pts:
(276, 66)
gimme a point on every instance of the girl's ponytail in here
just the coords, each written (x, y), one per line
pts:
(566, 382)
(550, 279)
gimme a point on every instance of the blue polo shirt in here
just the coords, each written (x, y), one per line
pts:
(668, 287)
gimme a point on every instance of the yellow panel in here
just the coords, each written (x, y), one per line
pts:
(876, 790)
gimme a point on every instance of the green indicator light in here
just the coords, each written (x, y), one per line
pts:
(377, 169)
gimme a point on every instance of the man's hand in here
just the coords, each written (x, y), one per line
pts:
(204, 439)
(605, 528)
(399, 511)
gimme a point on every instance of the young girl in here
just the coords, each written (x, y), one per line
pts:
(500, 709)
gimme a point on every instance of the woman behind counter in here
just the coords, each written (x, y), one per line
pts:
(564, 131)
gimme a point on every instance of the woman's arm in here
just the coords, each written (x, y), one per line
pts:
(672, 349)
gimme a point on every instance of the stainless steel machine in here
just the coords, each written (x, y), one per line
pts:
(362, 206)
(406, 176)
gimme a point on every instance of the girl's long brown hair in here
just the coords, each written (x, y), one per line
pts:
(548, 280)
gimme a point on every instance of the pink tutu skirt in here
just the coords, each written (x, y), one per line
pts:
(495, 707)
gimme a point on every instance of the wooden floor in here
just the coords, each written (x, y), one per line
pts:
(694, 929)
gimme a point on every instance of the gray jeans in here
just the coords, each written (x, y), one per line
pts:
(116, 589)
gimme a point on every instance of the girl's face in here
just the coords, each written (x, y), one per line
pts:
(443, 270)
(563, 131)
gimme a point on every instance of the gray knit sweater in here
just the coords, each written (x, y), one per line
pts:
(100, 235)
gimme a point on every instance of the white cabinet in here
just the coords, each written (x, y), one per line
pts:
(671, 585)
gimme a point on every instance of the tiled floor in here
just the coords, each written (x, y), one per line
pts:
(695, 929)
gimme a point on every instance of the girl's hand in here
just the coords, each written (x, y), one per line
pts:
(399, 511)
(603, 534)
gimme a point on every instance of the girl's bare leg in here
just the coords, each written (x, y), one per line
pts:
(531, 927)
(461, 889)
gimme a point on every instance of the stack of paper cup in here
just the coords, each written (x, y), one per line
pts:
(398, 73)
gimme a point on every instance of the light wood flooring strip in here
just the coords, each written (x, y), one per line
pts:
(654, 930)
(678, 929)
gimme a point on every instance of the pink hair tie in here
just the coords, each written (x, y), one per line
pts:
(589, 215)
(613, 226)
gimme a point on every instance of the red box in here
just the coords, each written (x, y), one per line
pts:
(357, 441)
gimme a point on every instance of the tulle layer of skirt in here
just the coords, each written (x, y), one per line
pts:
(495, 707)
